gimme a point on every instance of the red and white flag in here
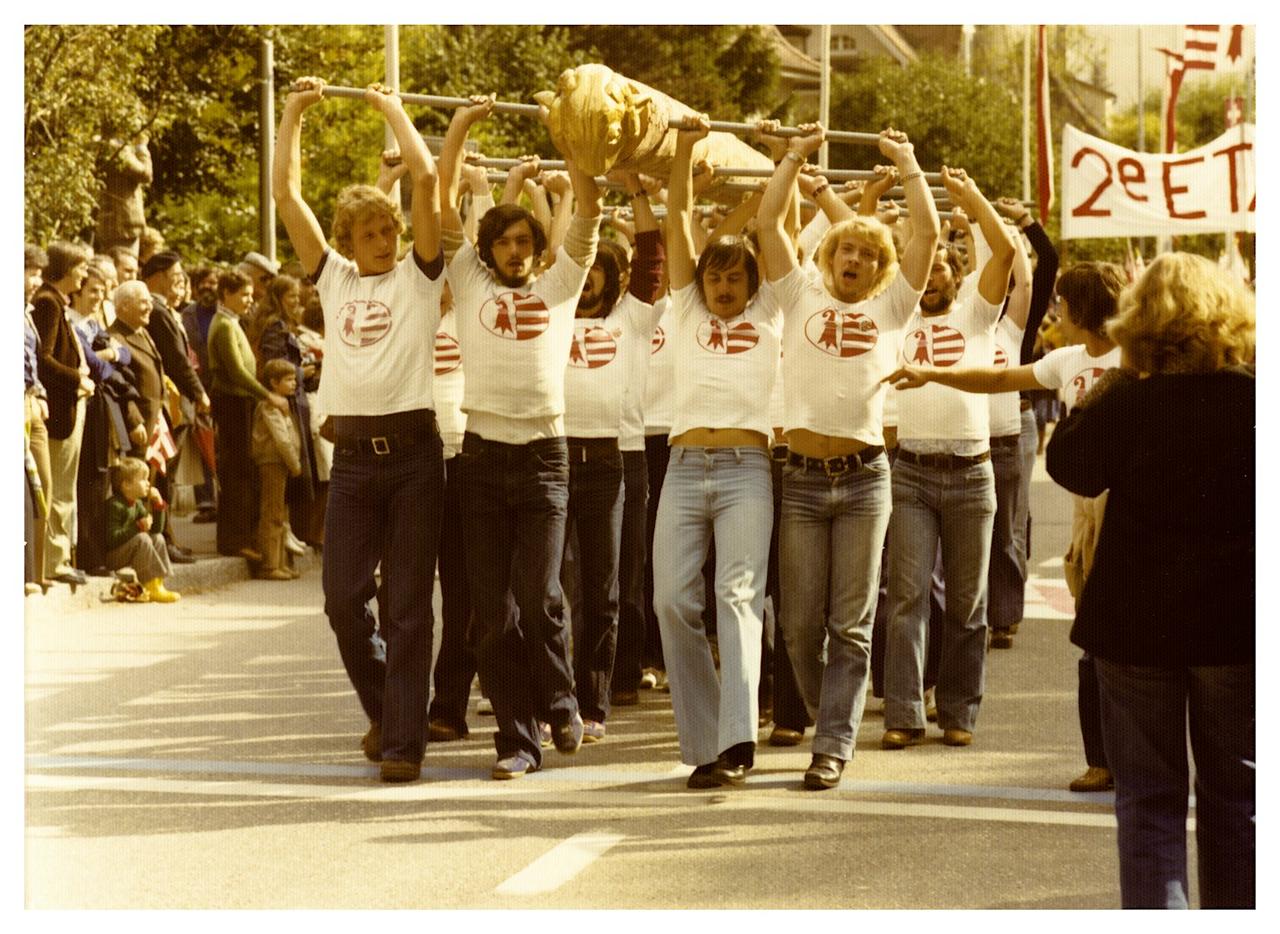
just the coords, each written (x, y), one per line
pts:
(1044, 131)
(162, 448)
(1204, 48)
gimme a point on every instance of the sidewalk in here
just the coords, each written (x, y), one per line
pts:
(210, 571)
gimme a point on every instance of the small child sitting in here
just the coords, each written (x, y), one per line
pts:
(277, 450)
(135, 523)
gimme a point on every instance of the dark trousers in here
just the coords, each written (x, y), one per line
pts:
(515, 502)
(595, 515)
(1007, 572)
(456, 664)
(237, 474)
(656, 454)
(633, 566)
(1089, 704)
(384, 509)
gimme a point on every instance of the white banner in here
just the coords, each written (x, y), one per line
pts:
(1108, 191)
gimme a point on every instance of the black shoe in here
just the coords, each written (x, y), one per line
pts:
(180, 555)
(703, 777)
(205, 515)
(74, 576)
(823, 772)
(729, 773)
(568, 736)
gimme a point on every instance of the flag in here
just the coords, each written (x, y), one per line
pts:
(162, 448)
(1213, 48)
(1044, 132)
(1175, 68)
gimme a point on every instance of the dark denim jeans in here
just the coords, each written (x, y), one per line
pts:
(633, 562)
(515, 499)
(385, 510)
(657, 453)
(456, 664)
(595, 514)
(1007, 571)
(1146, 713)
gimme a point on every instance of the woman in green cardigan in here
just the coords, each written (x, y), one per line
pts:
(234, 392)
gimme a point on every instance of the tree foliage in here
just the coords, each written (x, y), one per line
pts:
(729, 72)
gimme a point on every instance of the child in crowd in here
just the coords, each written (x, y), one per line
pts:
(135, 526)
(277, 449)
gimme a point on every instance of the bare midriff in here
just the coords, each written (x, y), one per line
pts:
(721, 438)
(812, 444)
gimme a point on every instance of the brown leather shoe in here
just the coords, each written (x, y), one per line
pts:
(954, 737)
(372, 743)
(438, 731)
(1095, 778)
(398, 770)
(1001, 639)
(782, 736)
(901, 739)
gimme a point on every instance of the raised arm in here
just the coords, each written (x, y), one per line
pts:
(648, 258)
(584, 229)
(286, 176)
(391, 169)
(425, 205)
(873, 191)
(922, 225)
(775, 247)
(1020, 298)
(680, 257)
(559, 187)
(734, 222)
(993, 281)
(455, 139)
(517, 176)
(475, 178)
(1044, 276)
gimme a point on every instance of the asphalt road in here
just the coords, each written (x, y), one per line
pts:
(206, 755)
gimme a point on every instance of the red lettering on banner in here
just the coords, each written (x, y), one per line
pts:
(1230, 153)
(1170, 190)
(1085, 208)
(1131, 171)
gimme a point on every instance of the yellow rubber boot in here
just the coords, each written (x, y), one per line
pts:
(156, 591)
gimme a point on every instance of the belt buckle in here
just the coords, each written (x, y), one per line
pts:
(833, 474)
(380, 445)
(780, 453)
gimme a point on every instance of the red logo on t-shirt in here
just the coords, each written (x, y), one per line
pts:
(937, 344)
(448, 354)
(717, 337)
(841, 334)
(1083, 381)
(363, 322)
(1001, 358)
(593, 347)
(658, 342)
(515, 316)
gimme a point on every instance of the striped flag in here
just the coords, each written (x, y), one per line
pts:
(1044, 130)
(593, 347)
(938, 345)
(515, 316)
(717, 337)
(1204, 48)
(161, 448)
(841, 334)
(659, 340)
(448, 355)
(363, 322)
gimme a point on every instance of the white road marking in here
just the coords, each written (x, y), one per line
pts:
(560, 864)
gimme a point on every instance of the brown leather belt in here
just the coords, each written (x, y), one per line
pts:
(943, 461)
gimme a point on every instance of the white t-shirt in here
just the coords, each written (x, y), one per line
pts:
(724, 369)
(1006, 407)
(636, 350)
(378, 337)
(596, 379)
(449, 385)
(936, 419)
(1072, 372)
(660, 375)
(516, 342)
(835, 355)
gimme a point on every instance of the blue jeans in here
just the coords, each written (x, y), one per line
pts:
(384, 509)
(956, 508)
(1028, 441)
(595, 511)
(1007, 571)
(832, 531)
(1145, 717)
(723, 493)
(515, 498)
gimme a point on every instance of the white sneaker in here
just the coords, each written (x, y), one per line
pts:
(292, 545)
(485, 707)
(649, 679)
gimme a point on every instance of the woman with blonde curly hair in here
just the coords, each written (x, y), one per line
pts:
(1168, 610)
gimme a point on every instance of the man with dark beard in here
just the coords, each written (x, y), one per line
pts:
(516, 332)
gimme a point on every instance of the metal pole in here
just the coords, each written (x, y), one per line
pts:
(391, 77)
(824, 89)
(966, 48)
(1142, 100)
(266, 149)
(533, 110)
(1026, 114)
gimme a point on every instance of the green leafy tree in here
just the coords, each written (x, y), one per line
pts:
(729, 72)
